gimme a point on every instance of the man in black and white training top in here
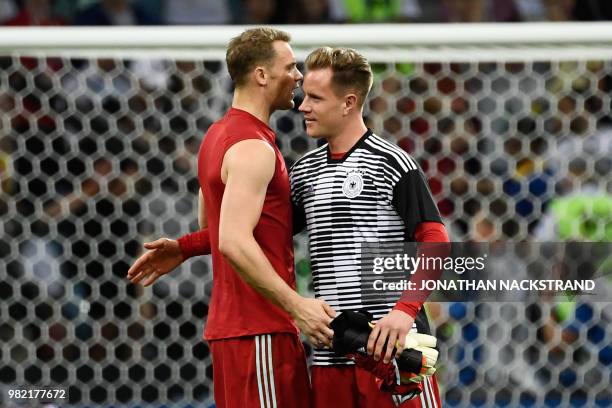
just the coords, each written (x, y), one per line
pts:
(355, 189)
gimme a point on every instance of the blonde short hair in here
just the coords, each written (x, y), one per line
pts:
(252, 47)
(351, 70)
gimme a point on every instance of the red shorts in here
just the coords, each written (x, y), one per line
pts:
(264, 371)
(352, 387)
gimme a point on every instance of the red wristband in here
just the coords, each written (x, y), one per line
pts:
(425, 232)
(410, 308)
(194, 244)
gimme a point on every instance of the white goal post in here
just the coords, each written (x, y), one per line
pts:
(380, 42)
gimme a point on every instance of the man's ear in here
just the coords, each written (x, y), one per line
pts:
(261, 75)
(350, 103)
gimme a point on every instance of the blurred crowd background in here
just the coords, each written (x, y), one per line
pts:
(177, 12)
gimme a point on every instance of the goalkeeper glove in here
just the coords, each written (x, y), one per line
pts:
(417, 360)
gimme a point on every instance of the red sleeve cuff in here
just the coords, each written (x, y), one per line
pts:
(410, 308)
(431, 232)
(194, 244)
(425, 232)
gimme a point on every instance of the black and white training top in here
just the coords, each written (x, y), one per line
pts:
(375, 194)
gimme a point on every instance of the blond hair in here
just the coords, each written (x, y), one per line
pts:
(252, 47)
(351, 70)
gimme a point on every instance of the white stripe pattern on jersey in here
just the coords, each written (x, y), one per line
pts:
(265, 371)
(422, 399)
(428, 397)
(430, 393)
(271, 369)
(338, 225)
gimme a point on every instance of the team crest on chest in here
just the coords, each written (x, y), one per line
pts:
(353, 184)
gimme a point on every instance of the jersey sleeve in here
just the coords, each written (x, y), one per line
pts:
(299, 219)
(232, 138)
(299, 215)
(425, 232)
(413, 201)
(194, 244)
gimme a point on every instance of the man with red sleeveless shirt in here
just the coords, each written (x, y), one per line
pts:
(258, 359)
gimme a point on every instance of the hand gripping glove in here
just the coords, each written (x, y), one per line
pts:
(402, 375)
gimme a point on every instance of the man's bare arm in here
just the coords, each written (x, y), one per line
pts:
(247, 169)
(202, 220)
